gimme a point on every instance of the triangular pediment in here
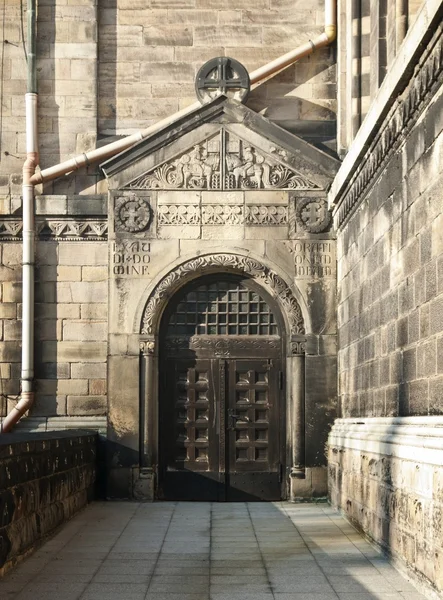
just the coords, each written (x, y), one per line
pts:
(221, 146)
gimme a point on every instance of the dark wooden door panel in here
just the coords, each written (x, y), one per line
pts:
(190, 430)
(253, 439)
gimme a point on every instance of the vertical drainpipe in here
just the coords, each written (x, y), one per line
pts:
(27, 374)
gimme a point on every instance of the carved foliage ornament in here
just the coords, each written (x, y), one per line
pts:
(222, 214)
(132, 214)
(242, 264)
(225, 162)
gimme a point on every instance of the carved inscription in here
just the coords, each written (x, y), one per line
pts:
(313, 259)
(131, 258)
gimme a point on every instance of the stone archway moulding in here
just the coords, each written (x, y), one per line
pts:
(209, 263)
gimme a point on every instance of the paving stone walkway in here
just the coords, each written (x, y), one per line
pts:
(203, 551)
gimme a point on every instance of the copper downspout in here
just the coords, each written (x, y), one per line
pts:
(31, 179)
(83, 160)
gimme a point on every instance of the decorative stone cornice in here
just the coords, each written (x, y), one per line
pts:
(394, 129)
(57, 229)
(232, 262)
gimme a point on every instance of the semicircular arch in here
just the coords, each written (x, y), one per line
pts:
(221, 262)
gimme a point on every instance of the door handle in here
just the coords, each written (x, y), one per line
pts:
(233, 418)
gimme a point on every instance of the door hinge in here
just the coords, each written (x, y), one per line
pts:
(280, 380)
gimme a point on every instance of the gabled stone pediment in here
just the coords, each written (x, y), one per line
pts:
(221, 146)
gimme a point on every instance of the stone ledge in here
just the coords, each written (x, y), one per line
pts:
(410, 438)
(58, 424)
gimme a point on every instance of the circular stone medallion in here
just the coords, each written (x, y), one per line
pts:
(133, 214)
(222, 75)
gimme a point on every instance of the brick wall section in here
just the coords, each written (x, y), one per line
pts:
(390, 280)
(71, 308)
(44, 481)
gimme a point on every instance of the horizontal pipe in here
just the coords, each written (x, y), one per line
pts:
(83, 160)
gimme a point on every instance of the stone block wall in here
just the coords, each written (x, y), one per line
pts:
(387, 477)
(149, 57)
(385, 452)
(44, 481)
(114, 68)
(71, 310)
(390, 274)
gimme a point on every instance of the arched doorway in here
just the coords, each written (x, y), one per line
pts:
(221, 396)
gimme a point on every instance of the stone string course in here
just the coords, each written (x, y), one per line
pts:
(395, 128)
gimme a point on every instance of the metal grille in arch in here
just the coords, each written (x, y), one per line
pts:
(222, 308)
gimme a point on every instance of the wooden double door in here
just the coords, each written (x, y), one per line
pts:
(221, 417)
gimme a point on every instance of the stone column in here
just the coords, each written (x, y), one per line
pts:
(297, 370)
(144, 484)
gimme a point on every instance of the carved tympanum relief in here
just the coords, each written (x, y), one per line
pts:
(225, 162)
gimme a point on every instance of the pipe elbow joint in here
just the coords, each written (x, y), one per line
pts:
(31, 162)
(331, 32)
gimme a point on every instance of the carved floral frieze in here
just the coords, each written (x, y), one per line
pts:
(222, 214)
(225, 162)
(179, 214)
(169, 284)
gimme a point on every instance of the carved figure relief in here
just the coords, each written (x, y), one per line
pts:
(225, 162)
(169, 284)
(312, 214)
(198, 168)
(132, 214)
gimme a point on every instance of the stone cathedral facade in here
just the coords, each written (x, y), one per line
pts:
(247, 303)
